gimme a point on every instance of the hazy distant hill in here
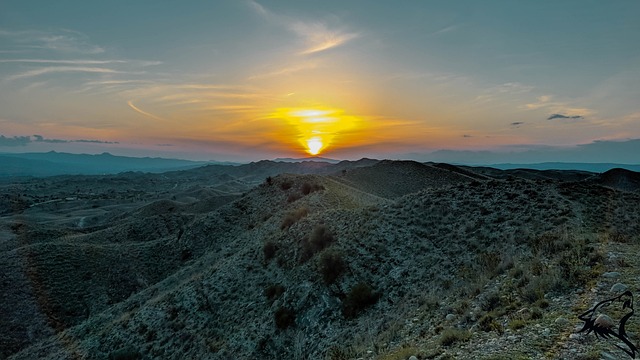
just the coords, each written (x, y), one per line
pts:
(55, 163)
(592, 167)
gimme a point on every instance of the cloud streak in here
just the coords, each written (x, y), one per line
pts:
(560, 116)
(62, 69)
(24, 140)
(130, 103)
(318, 36)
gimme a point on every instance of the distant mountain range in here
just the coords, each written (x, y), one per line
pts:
(55, 163)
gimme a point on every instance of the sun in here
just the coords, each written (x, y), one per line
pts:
(318, 128)
(314, 145)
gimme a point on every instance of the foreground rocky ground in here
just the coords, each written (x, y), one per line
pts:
(385, 260)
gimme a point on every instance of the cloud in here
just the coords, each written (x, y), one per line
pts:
(130, 103)
(59, 41)
(517, 123)
(62, 69)
(559, 109)
(24, 140)
(560, 116)
(317, 35)
(466, 136)
(14, 141)
(285, 71)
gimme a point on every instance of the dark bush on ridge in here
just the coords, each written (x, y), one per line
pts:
(359, 298)
(332, 266)
(284, 317)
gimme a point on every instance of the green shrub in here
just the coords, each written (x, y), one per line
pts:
(320, 238)
(309, 188)
(269, 249)
(284, 317)
(286, 185)
(273, 291)
(359, 298)
(331, 266)
(517, 324)
(452, 336)
(488, 323)
(126, 353)
(292, 217)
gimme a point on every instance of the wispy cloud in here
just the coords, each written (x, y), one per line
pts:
(130, 103)
(61, 41)
(61, 69)
(562, 108)
(317, 35)
(285, 71)
(24, 140)
(560, 116)
(517, 123)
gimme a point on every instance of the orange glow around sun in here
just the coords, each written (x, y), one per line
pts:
(319, 128)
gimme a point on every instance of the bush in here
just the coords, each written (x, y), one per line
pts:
(332, 266)
(309, 188)
(269, 249)
(517, 324)
(126, 353)
(286, 185)
(273, 291)
(452, 336)
(284, 317)
(292, 217)
(359, 298)
(320, 238)
(488, 323)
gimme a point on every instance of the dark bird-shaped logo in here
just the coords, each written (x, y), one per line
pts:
(603, 326)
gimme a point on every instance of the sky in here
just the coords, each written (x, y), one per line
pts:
(245, 80)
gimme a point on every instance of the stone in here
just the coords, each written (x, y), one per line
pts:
(412, 357)
(618, 288)
(562, 321)
(611, 275)
(450, 317)
(546, 332)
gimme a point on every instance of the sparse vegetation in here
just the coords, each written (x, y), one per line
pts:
(453, 335)
(331, 266)
(292, 217)
(359, 298)
(284, 317)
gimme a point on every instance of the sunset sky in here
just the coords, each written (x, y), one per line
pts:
(247, 80)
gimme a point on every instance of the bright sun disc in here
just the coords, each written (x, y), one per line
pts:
(314, 145)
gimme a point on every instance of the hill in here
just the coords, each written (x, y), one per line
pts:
(441, 263)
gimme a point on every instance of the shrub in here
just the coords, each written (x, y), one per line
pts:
(309, 188)
(292, 217)
(269, 249)
(359, 298)
(491, 302)
(517, 324)
(332, 266)
(452, 336)
(293, 197)
(488, 323)
(284, 317)
(126, 353)
(273, 291)
(286, 185)
(320, 238)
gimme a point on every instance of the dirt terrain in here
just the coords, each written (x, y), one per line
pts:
(354, 260)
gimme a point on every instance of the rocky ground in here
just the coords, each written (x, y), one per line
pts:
(372, 261)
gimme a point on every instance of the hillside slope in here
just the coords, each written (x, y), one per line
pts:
(316, 266)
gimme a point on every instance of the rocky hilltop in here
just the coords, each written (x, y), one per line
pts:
(354, 260)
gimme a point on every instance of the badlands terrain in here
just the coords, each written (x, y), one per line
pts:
(311, 260)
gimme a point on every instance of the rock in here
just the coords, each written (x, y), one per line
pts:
(607, 356)
(562, 321)
(450, 317)
(604, 321)
(574, 336)
(546, 332)
(611, 275)
(618, 288)
(412, 357)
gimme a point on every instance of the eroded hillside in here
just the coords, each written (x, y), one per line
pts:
(439, 264)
